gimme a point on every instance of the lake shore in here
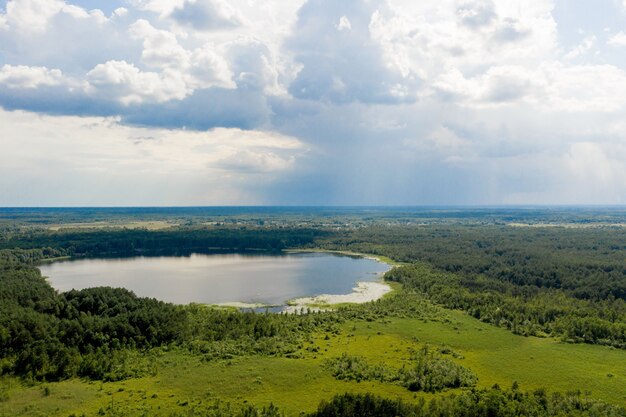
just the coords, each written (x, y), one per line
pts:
(363, 292)
(378, 258)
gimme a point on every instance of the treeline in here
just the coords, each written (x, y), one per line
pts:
(523, 310)
(493, 402)
(583, 263)
(178, 241)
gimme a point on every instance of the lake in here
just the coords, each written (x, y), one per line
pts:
(219, 278)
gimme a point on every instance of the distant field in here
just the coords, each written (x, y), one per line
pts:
(149, 225)
(184, 381)
(569, 225)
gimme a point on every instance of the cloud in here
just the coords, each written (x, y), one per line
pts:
(392, 101)
(119, 80)
(585, 88)
(342, 66)
(511, 30)
(22, 76)
(619, 39)
(476, 13)
(99, 161)
(499, 85)
(32, 15)
(344, 24)
(596, 173)
(160, 47)
(207, 15)
(583, 48)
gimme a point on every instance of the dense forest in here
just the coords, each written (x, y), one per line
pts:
(182, 241)
(565, 282)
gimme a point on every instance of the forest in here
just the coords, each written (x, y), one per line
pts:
(567, 283)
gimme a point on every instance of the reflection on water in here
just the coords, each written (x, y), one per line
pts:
(219, 278)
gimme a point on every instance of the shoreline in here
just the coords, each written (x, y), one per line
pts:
(377, 258)
(362, 292)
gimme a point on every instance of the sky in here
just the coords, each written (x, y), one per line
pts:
(312, 102)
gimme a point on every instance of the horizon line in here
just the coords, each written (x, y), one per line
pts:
(338, 206)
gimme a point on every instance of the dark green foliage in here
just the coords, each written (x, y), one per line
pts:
(44, 335)
(431, 372)
(364, 405)
(115, 365)
(183, 241)
(475, 403)
(428, 371)
(116, 317)
(537, 312)
(356, 368)
(584, 263)
(565, 282)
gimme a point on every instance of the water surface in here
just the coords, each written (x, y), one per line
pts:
(219, 278)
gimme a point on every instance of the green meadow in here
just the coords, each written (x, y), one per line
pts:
(183, 382)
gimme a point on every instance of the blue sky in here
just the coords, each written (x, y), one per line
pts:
(358, 102)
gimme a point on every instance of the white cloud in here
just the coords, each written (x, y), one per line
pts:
(99, 161)
(31, 15)
(209, 69)
(160, 47)
(120, 12)
(344, 24)
(22, 76)
(585, 88)
(429, 39)
(583, 48)
(200, 68)
(119, 80)
(619, 39)
(497, 86)
(178, 71)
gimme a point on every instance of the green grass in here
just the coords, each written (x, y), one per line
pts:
(497, 356)
(140, 224)
(184, 381)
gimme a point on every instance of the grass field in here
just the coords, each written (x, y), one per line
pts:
(148, 225)
(184, 382)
